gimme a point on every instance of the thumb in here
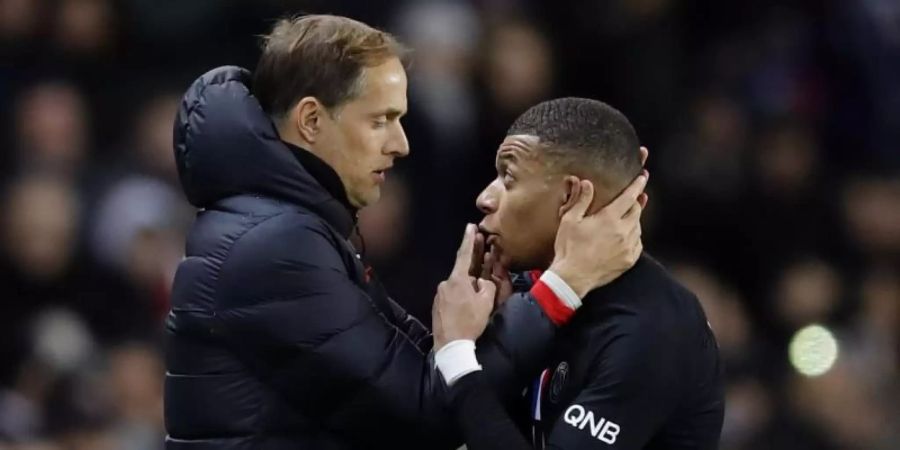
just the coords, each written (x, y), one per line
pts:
(487, 289)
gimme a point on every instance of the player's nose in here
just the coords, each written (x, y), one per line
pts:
(488, 201)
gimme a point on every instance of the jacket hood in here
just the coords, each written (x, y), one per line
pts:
(226, 145)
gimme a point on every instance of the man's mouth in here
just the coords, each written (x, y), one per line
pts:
(381, 174)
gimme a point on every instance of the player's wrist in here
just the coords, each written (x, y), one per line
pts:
(563, 290)
(576, 282)
(557, 299)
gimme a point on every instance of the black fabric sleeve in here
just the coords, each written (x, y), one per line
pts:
(514, 346)
(411, 326)
(482, 420)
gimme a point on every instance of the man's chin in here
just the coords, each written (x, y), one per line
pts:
(525, 268)
(517, 265)
(368, 199)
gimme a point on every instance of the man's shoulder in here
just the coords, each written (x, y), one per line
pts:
(271, 219)
(284, 255)
(249, 234)
(289, 233)
(646, 303)
(645, 288)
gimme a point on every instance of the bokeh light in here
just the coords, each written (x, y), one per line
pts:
(813, 350)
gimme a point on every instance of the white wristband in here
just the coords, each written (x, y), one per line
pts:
(456, 359)
(562, 290)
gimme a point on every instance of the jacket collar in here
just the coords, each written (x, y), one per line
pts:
(329, 179)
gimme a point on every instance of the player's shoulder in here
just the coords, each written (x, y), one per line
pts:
(646, 298)
(647, 284)
(649, 277)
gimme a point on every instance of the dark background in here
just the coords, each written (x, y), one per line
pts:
(773, 126)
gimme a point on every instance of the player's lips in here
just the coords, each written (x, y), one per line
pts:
(491, 237)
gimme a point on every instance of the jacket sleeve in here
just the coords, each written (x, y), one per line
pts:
(515, 345)
(411, 326)
(286, 294)
(483, 421)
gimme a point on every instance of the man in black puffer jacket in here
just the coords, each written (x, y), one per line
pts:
(279, 337)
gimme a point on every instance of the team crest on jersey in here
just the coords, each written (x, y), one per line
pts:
(558, 382)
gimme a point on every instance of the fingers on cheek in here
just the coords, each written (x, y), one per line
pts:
(621, 234)
(606, 218)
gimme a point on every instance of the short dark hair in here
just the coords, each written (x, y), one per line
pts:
(584, 137)
(321, 56)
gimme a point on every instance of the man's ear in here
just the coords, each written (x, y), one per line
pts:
(571, 193)
(307, 116)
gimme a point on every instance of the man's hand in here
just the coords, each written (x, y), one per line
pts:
(463, 303)
(593, 250)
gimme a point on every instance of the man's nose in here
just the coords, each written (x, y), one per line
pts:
(398, 145)
(487, 200)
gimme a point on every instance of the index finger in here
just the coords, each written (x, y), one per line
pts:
(623, 202)
(464, 254)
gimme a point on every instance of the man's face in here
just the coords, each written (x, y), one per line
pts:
(364, 136)
(522, 205)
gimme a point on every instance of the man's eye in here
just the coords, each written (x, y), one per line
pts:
(506, 178)
(379, 123)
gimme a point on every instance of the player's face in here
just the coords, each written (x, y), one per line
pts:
(364, 137)
(522, 205)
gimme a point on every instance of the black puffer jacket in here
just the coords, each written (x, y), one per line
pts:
(276, 338)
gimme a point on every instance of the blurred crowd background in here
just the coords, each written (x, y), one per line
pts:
(773, 126)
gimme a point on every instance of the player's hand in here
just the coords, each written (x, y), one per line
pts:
(592, 250)
(491, 269)
(463, 303)
(477, 263)
(643, 198)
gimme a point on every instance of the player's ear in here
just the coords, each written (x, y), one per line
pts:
(571, 190)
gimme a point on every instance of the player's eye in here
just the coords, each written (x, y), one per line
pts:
(380, 123)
